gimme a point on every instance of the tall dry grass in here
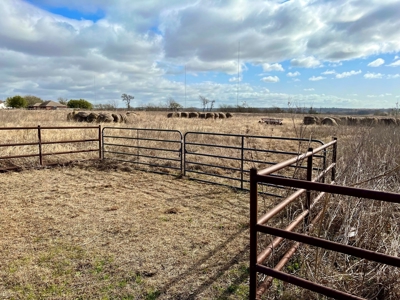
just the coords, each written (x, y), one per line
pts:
(368, 158)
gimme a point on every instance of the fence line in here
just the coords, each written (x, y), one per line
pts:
(258, 224)
(39, 143)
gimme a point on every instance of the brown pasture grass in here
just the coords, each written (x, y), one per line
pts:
(116, 233)
(53, 263)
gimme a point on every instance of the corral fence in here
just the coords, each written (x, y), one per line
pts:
(315, 190)
(36, 143)
(226, 159)
(215, 158)
(223, 159)
(157, 150)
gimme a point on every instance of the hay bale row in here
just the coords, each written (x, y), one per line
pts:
(201, 115)
(350, 121)
(94, 117)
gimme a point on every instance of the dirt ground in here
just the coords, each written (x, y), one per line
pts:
(103, 232)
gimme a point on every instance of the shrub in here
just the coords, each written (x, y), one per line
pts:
(16, 102)
(81, 103)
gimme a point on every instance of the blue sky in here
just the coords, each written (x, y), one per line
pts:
(309, 53)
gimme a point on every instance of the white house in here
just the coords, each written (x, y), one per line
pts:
(2, 105)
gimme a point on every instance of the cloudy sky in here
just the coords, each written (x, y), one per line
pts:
(328, 53)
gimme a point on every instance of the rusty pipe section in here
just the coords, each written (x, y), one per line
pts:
(315, 287)
(275, 243)
(265, 218)
(268, 281)
(293, 160)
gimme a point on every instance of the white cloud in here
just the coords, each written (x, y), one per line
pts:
(296, 79)
(274, 67)
(393, 76)
(293, 74)
(395, 64)
(348, 74)
(314, 78)
(305, 62)
(235, 79)
(328, 72)
(373, 75)
(309, 90)
(273, 79)
(396, 57)
(376, 63)
(140, 47)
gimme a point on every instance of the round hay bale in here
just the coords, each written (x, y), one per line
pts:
(352, 121)
(228, 115)
(221, 115)
(368, 121)
(209, 115)
(193, 115)
(105, 118)
(337, 120)
(329, 121)
(388, 121)
(216, 115)
(170, 115)
(202, 115)
(184, 114)
(309, 120)
(70, 116)
(177, 114)
(80, 116)
(124, 118)
(117, 118)
(344, 120)
(92, 117)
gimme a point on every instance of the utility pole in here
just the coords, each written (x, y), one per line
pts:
(185, 86)
(238, 79)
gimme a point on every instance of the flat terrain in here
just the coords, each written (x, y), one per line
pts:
(83, 232)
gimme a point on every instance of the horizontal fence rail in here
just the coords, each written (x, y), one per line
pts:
(38, 146)
(158, 150)
(258, 224)
(225, 159)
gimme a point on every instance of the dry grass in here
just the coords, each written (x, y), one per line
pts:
(83, 232)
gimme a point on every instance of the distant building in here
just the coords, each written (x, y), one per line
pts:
(2, 104)
(47, 105)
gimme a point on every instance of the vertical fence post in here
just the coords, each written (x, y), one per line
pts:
(324, 165)
(40, 146)
(184, 154)
(100, 143)
(242, 164)
(334, 153)
(308, 193)
(137, 148)
(253, 233)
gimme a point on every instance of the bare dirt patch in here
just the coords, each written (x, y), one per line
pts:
(82, 232)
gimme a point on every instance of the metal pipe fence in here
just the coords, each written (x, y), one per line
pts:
(258, 224)
(157, 150)
(40, 152)
(225, 159)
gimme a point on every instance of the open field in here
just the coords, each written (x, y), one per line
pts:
(109, 231)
